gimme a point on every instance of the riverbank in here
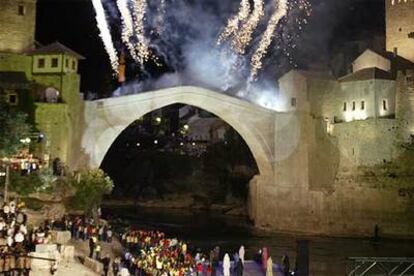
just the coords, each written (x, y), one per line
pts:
(206, 229)
(181, 202)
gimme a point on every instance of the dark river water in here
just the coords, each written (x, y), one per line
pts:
(204, 230)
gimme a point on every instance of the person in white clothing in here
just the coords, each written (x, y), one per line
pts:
(241, 254)
(226, 265)
(124, 272)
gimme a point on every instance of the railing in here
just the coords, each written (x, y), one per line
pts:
(360, 266)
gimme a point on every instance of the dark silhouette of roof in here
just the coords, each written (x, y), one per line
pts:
(56, 48)
(368, 74)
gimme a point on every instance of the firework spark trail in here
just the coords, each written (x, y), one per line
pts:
(105, 34)
(243, 38)
(127, 27)
(257, 58)
(142, 49)
(160, 17)
(234, 23)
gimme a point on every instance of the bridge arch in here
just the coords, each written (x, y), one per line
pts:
(107, 118)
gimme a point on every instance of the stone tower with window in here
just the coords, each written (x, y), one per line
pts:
(400, 27)
(17, 25)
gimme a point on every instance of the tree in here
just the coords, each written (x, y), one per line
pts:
(13, 127)
(91, 186)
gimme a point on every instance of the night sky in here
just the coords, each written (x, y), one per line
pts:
(72, 22)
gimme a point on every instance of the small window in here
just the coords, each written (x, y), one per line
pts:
(41, 63)
(54, 62)
(384, 105)
(67, 63)
(73, 65)
(12, 99)
(293, 102)
(411, 35)
(353, 106)
(21, 10)
(344, 106)
(363, 105)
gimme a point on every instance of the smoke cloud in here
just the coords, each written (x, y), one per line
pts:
(183, 35)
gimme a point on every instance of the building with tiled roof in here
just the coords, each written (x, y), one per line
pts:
(41, 80)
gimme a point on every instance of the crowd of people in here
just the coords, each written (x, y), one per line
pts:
(85, 228)
(15, 239)
(145, 252)
(152, 253)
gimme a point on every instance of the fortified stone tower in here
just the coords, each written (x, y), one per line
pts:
(400, 27)
(17, 25)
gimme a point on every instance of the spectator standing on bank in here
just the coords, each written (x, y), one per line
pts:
(92, 244)
(269, 267)
(106, 263)
(226, 265)
(241, 253)
(285, 264)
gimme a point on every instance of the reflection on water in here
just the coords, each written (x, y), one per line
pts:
(205, 229)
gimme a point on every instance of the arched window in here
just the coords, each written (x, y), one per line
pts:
(51, 95)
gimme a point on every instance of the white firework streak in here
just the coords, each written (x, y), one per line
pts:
(261, 51)
(127, 27)
(243, 38)
(160, 17)
(234, 22)
(105, 34)
(142, 49)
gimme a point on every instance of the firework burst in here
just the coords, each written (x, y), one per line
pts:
(250, 32)
(267, 37)
(143, 51)
(245, 35)
(105, 34)
(127, 27)
(233, 24)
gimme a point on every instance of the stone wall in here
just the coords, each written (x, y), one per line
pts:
(16, 63)
(405, 101)
(67, 135)
(368, 142)
(53, 120)
(399, 24)
(17, 28)
(321, 190)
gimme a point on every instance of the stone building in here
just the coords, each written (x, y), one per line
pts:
(17, 21)
(372, 96)
(40, 80)
(400, 27)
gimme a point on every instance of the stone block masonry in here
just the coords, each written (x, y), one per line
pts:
(400, 28)
(17, 21)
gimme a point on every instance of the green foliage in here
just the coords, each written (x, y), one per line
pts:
(38, 181)
(25, 184)
(13, 127)
(90, 186)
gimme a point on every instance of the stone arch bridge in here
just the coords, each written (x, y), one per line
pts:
(275, 139)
